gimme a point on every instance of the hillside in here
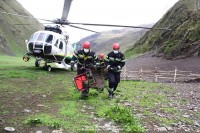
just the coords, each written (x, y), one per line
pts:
(14, 29)
(101, 43)
(182, 41)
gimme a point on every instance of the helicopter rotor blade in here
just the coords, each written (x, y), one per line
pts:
(18, 15)
(63, 21)
(83, 28)
(111, 25)
(67, 4)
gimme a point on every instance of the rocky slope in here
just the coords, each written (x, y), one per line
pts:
(15, 29)
(182, 41)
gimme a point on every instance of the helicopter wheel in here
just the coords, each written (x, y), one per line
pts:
(37, 63)
(48, 68)
(44, 67)
(72, 67)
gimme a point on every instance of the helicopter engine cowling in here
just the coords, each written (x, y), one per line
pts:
(53, 28)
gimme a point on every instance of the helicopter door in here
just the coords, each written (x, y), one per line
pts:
(70, 49)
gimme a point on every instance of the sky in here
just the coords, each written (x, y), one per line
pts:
(119, 12)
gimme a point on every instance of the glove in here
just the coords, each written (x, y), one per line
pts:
(72, 62)
(119, 68)
(108, 67)
(113, 69)
(72, 65)
(97, 65)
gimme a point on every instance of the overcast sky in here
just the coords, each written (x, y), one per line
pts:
(123, 12)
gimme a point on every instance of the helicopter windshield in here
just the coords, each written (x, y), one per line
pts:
(37, 37)
(41, 37)
(34, 37)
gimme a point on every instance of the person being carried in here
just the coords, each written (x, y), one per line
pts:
(102, 70)
(101, 61)
(85, 58)
(116, 61)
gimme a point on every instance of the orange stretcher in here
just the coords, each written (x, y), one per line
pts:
(81, 81)
(90, 79)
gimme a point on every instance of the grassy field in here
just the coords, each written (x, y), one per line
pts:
(33, 99)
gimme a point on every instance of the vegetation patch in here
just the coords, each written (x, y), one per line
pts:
(125, 117)
(44, 119)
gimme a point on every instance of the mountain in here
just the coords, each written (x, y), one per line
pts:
(182, 41)
(14, 30)
(102, 43)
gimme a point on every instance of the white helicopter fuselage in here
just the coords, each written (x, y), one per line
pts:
(49, 46)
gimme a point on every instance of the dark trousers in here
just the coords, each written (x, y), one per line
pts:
(114, 79)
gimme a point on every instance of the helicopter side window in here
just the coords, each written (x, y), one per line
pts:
(56, 43)
(61, 45)
(41, 37)
(49, 39)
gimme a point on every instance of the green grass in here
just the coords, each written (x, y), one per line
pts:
(14, 67)
(44, 119)
(55, 103)
(126, 118)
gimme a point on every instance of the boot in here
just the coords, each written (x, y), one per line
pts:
(110, 93)
(100, 90)
(85, 93)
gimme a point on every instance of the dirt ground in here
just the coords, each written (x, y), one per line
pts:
(147, 61)
(189, 91)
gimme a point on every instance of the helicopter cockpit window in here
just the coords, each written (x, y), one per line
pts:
(41, 37)
(49, 39)
(34, 37)
(61, 45)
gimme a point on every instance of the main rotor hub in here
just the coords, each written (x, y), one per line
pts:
(61, 21)
(55, 28)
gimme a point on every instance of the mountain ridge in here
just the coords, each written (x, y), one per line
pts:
(14, 30)
(102, 43)
(182, 41)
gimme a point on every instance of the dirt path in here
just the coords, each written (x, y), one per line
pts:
(149, 62)
(102, 125)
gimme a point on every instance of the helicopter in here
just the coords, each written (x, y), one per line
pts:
(52, 45)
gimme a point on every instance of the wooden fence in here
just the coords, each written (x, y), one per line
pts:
(157, 75)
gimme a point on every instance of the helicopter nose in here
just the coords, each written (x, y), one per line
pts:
(37, 51)
(38, 45)
(36, 48)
